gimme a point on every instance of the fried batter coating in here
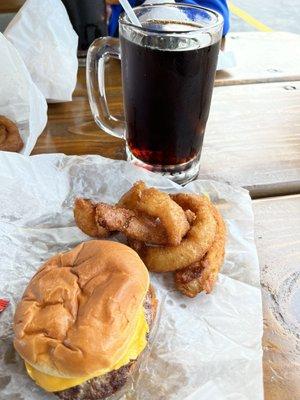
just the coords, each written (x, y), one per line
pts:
(193, 246)
(202, 275)
(130, 199)
(156, 204)
(10, 139)
(134, 225)
(190, 216)
(85, 218)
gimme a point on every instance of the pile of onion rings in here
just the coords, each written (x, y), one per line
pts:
(183, 233)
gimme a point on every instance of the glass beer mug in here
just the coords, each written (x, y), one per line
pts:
(168, 70)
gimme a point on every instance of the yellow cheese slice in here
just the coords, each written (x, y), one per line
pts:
(136, 346)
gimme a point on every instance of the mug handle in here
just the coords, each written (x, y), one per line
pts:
(101, 50)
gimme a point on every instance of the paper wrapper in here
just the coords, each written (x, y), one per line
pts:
(204, 348)
(44, 36)
(20, 99)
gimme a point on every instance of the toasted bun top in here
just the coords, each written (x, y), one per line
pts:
(80, 309)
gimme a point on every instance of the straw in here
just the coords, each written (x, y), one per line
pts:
(130, 13)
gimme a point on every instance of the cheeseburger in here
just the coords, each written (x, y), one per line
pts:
(84, 320)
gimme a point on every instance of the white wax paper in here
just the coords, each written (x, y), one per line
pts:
(44, 36)
(207, 348)
(20, 99)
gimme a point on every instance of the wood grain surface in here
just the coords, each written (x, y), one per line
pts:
(262, 57)
(7, 6)
(252, 137)
(277, 231)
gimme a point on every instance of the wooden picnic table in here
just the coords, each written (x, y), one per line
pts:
(10, 6)
(252, 140)
(277, 234)
(252, 137)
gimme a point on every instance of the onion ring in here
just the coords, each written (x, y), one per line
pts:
(156, 204)
(143, 219)
(85, 218)
(194, 245)
(10, 139)
(202, 275)
(132, 224)
(131, 198)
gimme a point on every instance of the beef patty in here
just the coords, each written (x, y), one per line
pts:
(104, 386)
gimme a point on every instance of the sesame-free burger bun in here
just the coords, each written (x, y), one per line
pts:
(80, 309)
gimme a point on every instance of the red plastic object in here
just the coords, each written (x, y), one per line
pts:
(3, 304)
